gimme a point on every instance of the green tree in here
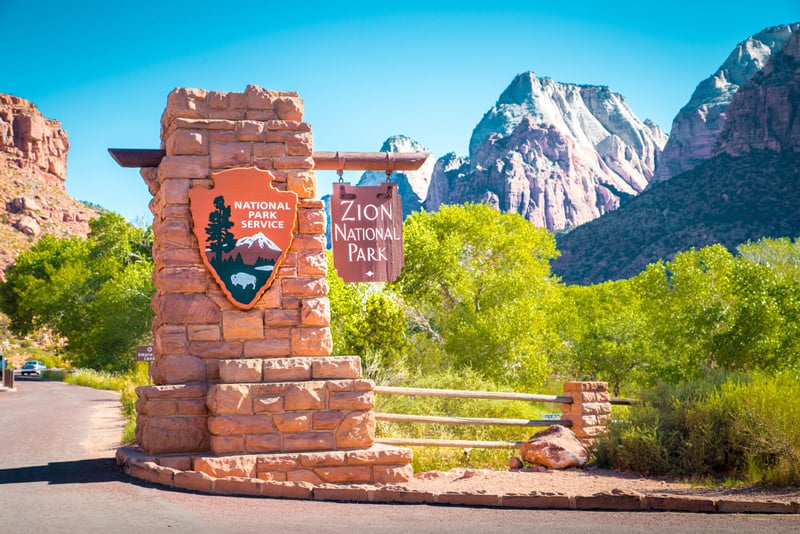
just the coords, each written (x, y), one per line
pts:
(95, 293)
(45, 286)
(609, 336)
(710, 310)
(478, 281)
(368, 320)
(220, 237)
(689, 307)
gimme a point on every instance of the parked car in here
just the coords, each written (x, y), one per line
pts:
(32, 367)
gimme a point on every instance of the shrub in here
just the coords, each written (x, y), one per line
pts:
(635, 444)
(728, 427)
(767, 425)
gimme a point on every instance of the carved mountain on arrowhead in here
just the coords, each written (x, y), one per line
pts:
(253, 250)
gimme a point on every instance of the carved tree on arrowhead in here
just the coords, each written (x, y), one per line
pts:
(220, 238)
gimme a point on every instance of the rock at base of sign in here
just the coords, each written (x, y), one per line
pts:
(556, 447)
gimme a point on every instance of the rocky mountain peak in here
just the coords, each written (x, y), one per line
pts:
(696, 128)
(746, 190)
(30, 140)
(763, 114)
(559, 154)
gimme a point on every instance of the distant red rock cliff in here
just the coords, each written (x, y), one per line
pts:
(33, 171)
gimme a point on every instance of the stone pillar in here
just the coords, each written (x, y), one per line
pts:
(590, 410)
(255, 387)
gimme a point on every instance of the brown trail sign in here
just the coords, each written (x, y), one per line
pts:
(367, 232)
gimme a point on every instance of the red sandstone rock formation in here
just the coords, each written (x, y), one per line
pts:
(33, 170)
(696, 128)
(556, 448)
(32, 141)
(763, 114)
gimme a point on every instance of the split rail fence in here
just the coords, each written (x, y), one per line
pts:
(473, 421)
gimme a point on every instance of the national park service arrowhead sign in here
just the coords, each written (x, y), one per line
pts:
(244, 229)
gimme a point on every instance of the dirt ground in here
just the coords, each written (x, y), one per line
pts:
(581, 482)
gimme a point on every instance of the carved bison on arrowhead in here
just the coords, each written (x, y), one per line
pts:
(243, 280)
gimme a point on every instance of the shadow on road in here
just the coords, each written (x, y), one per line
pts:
(70, 472)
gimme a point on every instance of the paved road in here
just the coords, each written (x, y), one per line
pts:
(57, 475)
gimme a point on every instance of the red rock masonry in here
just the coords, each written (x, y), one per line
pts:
(235, 383)
(590, 410)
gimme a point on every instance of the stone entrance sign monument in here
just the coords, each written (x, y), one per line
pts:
(245, 384)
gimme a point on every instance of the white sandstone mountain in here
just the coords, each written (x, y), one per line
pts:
(558, 154)
(412, 185)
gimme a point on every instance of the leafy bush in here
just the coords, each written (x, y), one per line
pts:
(56, 375)
(731, 426)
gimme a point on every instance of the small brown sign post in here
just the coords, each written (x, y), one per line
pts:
(144, 353)
(367, 232)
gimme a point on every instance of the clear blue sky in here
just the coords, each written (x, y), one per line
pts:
(365, 70)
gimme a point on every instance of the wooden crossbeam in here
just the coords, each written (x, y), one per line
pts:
(324, 161)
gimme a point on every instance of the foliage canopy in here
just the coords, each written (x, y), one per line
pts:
(95, 293)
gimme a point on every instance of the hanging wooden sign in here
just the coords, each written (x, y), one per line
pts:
(367, 232)
(244, 229)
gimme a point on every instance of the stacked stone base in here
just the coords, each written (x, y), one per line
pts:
(590, 410)
(298, 419)
(380, 464)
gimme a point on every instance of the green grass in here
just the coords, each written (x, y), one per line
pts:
(444, 458)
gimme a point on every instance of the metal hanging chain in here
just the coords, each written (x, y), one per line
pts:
(389, 166)
(340, 166)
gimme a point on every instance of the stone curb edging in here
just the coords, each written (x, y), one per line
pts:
(140, 466)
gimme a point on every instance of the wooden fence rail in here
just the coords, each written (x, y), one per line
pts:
(476, 421)
(462, 394)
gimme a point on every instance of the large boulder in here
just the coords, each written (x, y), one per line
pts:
(556, 447)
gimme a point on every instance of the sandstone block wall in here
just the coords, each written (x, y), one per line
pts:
(303, 404)
(590, 411)
(250, 393)
(196, 328)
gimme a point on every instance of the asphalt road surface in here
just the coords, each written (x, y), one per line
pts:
(57, 474)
